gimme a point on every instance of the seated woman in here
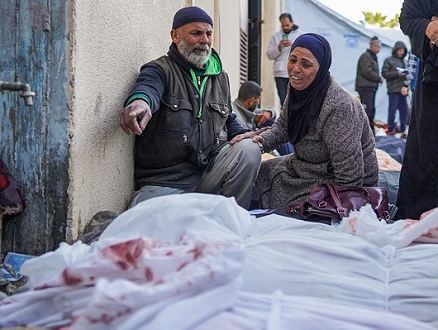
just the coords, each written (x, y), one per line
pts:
(326, 125)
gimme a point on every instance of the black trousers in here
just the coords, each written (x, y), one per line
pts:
(281, 84)
(368, 99)
(418, 187)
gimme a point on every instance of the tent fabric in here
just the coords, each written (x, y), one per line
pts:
(348, 41)
(192, 260)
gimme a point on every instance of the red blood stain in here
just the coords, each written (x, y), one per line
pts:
(148, 273)
(197, 251)
(410, 222)
(122, 265)
(70, 278)
(160, 281)
(182, 265)
(107, 319)
(169, 253)
(5, 302)
(42, 287)
(353, 224)
(125, 254)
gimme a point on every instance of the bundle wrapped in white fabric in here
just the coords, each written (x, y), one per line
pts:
(401, 233)
(192, 261)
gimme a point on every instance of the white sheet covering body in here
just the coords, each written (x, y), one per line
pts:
(193, 260)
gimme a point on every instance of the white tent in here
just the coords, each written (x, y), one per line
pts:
(348, 40)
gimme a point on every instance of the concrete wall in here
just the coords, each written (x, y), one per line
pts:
(109, 41)
(271, 10)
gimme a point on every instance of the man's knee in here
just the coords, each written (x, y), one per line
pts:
(148, 192)
(250, 151)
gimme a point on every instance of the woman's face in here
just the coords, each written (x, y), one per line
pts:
(302, 68)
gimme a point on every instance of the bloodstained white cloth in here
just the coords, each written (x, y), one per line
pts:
(191, 261)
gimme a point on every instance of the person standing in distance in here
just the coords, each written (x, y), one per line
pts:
(368, 79)
(394, 71)
(278, 51)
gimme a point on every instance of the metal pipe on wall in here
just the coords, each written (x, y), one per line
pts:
(27, 93)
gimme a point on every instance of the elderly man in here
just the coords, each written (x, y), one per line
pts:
(180, 110)
(368, 79)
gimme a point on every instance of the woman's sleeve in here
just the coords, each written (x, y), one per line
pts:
(342, 133)
(277, 134)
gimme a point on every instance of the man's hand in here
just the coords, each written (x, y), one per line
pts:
(135, 117)
(284, 43)
(432, 30)
(263, 117)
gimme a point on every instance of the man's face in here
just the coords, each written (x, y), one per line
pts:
(254, 102)
(399, 52)
(193, 41)
(286, 25)
(375, 48)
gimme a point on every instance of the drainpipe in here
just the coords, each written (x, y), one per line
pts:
(27, 93)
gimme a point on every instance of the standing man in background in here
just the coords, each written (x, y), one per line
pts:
(278, 51)
(368, 79)
(394, 71)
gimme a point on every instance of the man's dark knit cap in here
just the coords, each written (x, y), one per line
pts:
(190, 14)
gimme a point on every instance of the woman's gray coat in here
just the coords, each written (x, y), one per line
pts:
(340, 150)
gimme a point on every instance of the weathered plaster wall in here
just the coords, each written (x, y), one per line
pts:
(227, 39)
(271, 10)
(109, 42)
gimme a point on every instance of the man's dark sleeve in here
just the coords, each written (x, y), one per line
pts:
(151, 82)
(233, 127)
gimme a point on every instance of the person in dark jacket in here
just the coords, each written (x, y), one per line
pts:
(394, 71)
(180, 109)
(368, 79)
(418, 189)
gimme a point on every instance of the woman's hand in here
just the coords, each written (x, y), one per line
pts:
(256, 138)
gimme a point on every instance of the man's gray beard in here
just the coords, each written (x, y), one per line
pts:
(189, 54)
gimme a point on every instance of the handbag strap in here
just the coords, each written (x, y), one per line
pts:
(334, 194)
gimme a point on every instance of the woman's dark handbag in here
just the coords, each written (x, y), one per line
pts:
(336, 202)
